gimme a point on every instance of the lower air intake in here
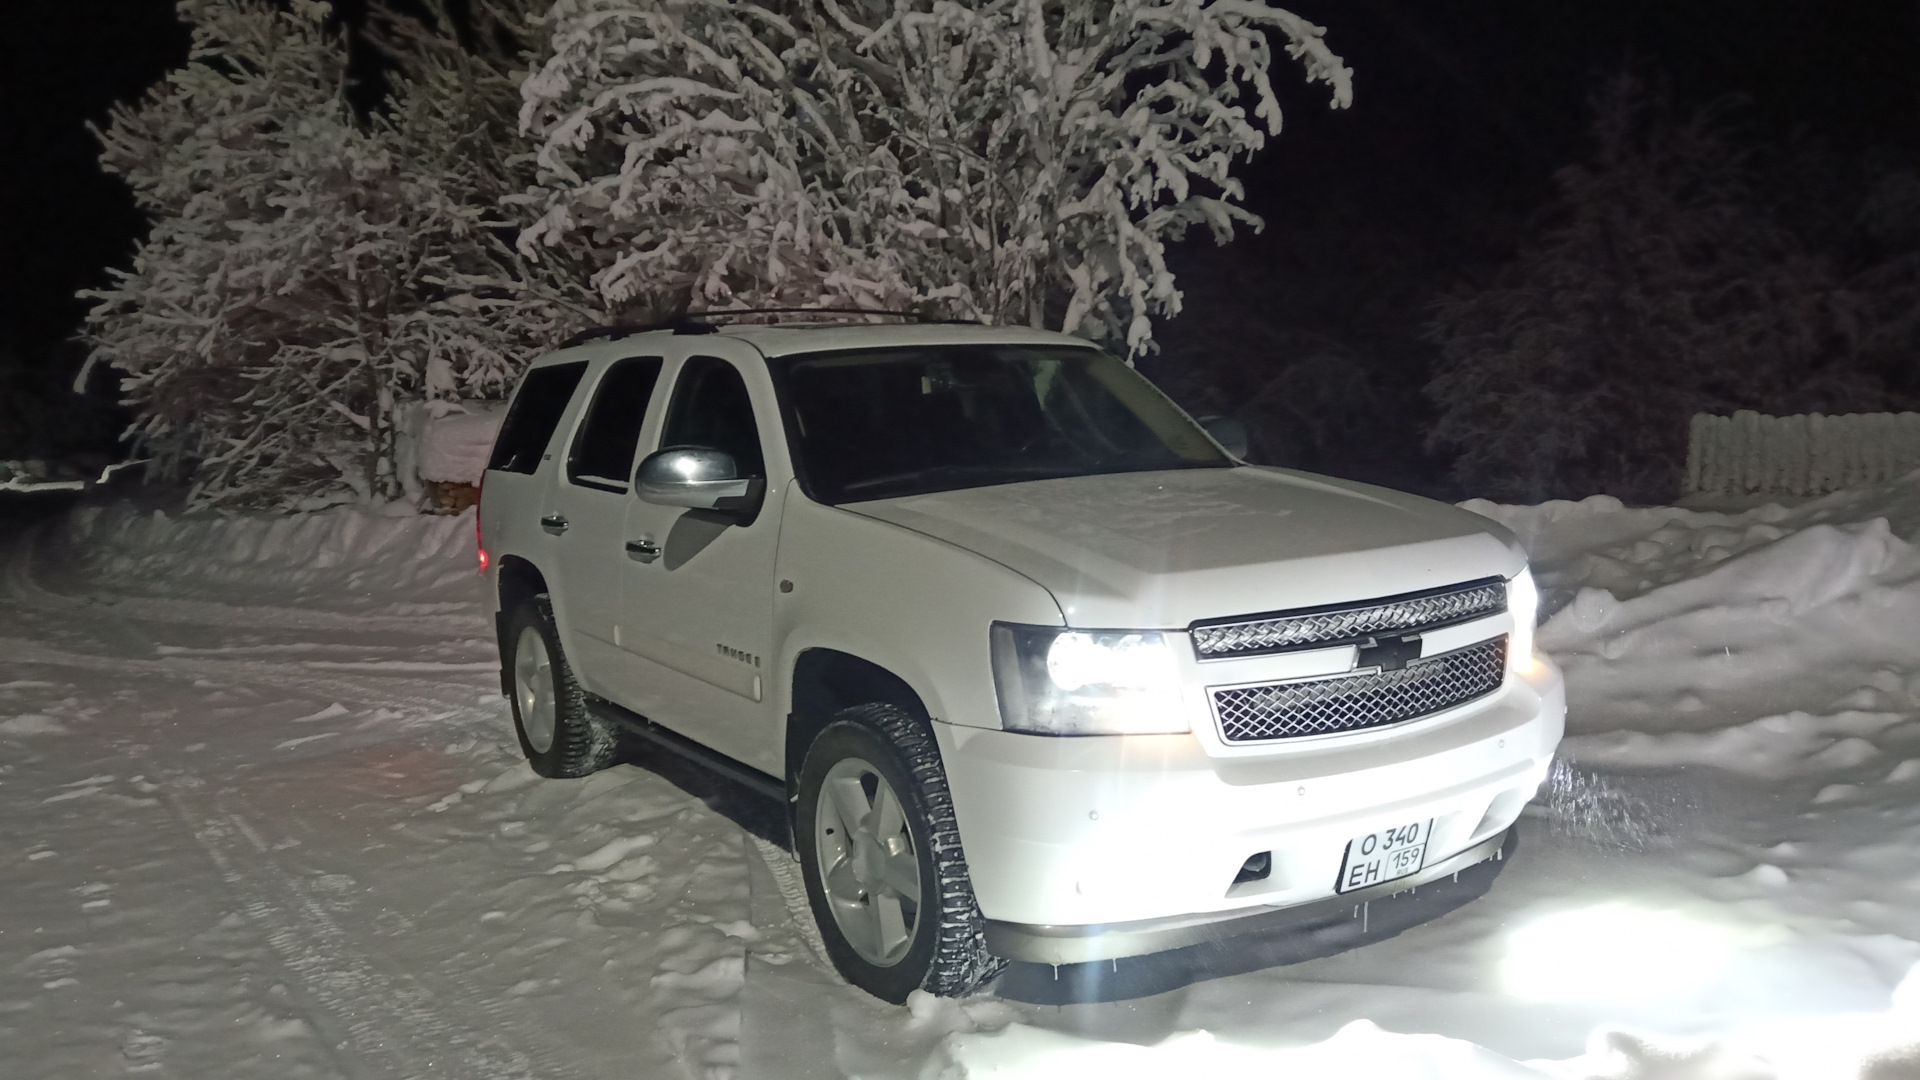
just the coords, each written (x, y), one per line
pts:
(1292, 710)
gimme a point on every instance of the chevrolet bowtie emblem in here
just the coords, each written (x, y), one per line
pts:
(1388, 654)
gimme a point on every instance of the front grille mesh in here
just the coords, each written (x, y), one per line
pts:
(1278, 632)
(1355, 702)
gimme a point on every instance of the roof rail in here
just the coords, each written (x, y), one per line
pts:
(722, 313)
(701, 322)
(910, 316)
(679, 324)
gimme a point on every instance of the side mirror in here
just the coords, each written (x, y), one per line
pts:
(1231, 434)
(699, 479)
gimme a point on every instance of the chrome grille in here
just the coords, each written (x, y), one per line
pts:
(1311, 629)
(1356, 702)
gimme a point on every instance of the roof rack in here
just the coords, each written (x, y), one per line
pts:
(679, 324)
(701, 324)
(722, 313)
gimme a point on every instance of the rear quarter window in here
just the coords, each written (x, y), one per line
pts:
(535, 412)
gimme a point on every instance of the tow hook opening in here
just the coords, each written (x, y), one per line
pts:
(1256, 868)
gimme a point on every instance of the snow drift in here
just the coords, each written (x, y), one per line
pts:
(1718, 881)
(342, 553)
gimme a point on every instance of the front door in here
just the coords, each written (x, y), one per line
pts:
(697, 599)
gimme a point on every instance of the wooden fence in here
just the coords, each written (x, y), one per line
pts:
(1811, 454)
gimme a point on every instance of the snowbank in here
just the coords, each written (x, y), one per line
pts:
(342, 552)
(1781, 645)
(1780, 633)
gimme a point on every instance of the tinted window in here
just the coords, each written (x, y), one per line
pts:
(604, 448)
(711, 409)
(882, 423)
(534, 414)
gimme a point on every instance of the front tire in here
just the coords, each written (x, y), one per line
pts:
(557, 733)
(880, 851)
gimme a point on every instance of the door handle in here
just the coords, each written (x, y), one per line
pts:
(554, 523)
(643, 550)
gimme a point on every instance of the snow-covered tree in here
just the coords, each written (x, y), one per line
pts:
(451, 119)
(1658, 285)
(310, 273)
(240, 159)
(1019, 161)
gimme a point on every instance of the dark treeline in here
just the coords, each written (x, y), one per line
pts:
(1410, 240)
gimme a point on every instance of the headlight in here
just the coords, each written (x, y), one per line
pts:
(1523, 602)
(1085, 682)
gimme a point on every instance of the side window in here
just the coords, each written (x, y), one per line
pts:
(534, 414)
(711, 409)
(602, 453)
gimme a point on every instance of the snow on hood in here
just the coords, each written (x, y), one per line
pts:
(1164, 549)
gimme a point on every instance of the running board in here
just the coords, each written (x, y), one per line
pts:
(679, 745)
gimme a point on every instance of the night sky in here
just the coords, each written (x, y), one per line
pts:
(1462, 111)
(66, 63)
(1462, 102)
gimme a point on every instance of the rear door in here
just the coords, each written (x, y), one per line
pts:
(521, 468)
(698, 616)
(586, 514)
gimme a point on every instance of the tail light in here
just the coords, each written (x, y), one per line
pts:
(479, 542)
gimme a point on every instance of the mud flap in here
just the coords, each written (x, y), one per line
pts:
(500, 638)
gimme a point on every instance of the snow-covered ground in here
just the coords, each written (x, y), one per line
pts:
(264, 816)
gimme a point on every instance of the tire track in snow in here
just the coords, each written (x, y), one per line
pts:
(783, 872)
(372, 685)
(786, 1002)
(384, 1023)
(262, 617)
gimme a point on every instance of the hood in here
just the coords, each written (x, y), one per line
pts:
(1164, 549)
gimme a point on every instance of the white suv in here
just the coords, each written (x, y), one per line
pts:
(1042, 671)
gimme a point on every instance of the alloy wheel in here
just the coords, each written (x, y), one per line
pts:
(867, 861)
(533, 689)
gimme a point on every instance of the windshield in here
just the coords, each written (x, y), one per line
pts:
(882, 423)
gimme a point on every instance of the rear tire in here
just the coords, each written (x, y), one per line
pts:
(880, 851)
(560, 737)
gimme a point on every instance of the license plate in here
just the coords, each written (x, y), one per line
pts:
(1384, 856)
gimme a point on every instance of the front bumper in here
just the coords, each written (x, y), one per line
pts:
(1091, 848)
(1079, 944)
